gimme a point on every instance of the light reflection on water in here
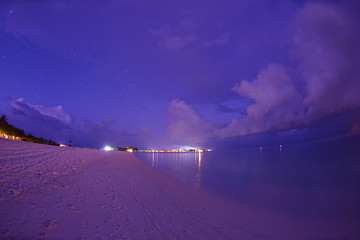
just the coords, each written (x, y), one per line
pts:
(184, 165)
(318, 180)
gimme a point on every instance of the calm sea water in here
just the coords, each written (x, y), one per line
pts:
(317, 180)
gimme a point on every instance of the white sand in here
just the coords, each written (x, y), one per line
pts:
(49, 192)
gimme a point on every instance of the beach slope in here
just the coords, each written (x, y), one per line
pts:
(67, 193)
(49, 192)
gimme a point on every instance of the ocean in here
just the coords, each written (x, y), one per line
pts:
(318, 180)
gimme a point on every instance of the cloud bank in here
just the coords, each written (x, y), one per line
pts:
(187, 126)
(58, 112)
(57, 124)
(325, 82)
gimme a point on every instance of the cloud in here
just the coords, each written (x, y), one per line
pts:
(176, 36)
(324, 84)
(51, 123)
(102, 133)
(58, 112)
(221, 40)
(98, 126)
(221, 108)
(186, 125)
(176, 41)
(172, 41)
(276, 101)
(57, 124)
(327, 43)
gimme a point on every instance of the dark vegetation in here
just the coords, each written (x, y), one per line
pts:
(8, 129)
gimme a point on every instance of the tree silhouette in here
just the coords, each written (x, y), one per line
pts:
(8, 129)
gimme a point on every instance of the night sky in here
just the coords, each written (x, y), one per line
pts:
(164, 74)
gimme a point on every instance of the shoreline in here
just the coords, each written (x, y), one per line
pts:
(65, 193)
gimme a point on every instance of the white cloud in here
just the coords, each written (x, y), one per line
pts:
(58, 112)
(186, 125)
(326, 81)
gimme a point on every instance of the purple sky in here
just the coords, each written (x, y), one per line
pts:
(162, 74)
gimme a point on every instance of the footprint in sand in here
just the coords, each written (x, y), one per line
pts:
(5, 233)
(49, 224)
(72, 208)
(41, 235)
(107, 216)
(14, 192)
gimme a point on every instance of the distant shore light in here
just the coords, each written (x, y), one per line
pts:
(107, 148)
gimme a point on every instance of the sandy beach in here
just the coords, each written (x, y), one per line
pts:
(50, 192)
